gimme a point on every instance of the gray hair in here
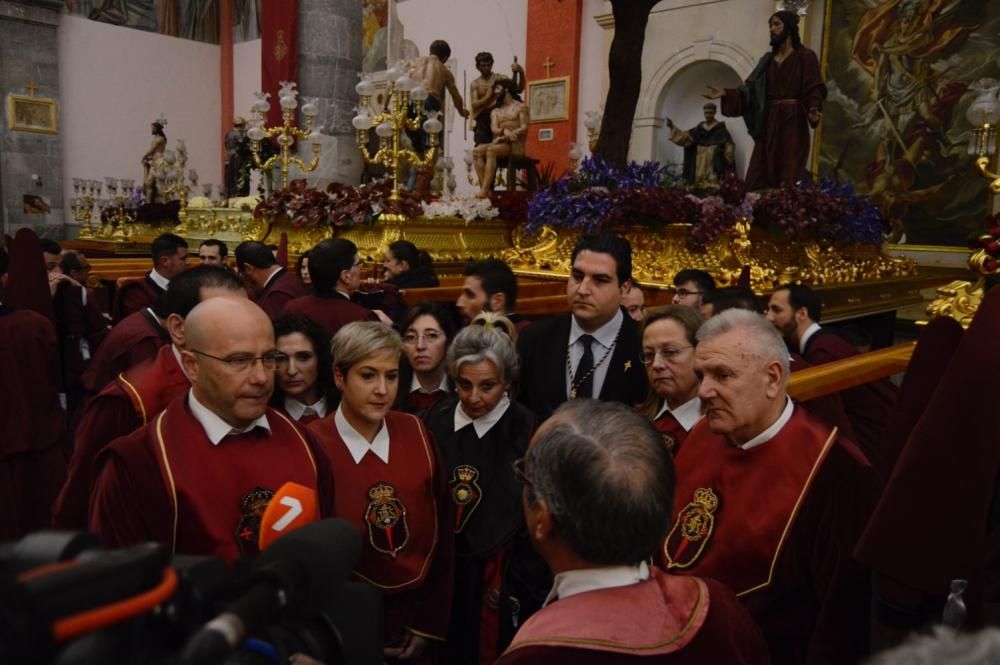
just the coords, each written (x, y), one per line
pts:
(944, 645)
(474, 344)
(358, 340)
(607, 479)
(765, 337)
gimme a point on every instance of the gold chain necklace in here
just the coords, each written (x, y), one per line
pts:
(574, 386)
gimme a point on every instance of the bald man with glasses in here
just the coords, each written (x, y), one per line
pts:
(200, 475)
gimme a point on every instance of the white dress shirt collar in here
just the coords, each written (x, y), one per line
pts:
(270, 278)
(416, 387)
(810, 331)
(572, 582)
(159, 279)
(297, 409)
(216, 429)
(483, 424)
(687, 414)
(605, 335)
(773, 430)
(358, 445)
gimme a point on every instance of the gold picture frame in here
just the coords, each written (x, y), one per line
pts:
(32, 114)
(548, 100)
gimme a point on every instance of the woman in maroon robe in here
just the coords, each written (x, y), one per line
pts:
(391, 486)
(427, 331)
(303, 385)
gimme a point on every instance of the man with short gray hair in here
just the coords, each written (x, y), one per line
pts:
(770, 500)
(598, 486)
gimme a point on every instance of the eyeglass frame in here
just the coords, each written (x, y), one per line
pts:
(235, 363)
(663, 353)
(438, 335)
(684, 293)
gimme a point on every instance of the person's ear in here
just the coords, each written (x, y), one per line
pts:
(190, 364)
(497, 302)
(338, 378)
(626, 286)
(405, 265)
(544, 524)
(774, 379)
(175, 326)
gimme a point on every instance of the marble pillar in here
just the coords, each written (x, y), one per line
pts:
(30, 163)
(329, 59)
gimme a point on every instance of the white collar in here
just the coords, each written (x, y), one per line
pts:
(810, 331)
(177, 357)
(416, 387)
(358, 445)
(344, 293)
(483, 424)
(296, 409)
(156, 318)
(572, 582)
(605, 335)
(159, 279)
(687, 414)
(216, 429)
(270, 278)
(773, 430)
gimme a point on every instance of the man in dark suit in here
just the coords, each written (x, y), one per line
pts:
(795, 311)
(594, 351)
(170, 254)
(272, 286)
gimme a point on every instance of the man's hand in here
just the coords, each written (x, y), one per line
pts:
(413, 646)
(517, 68)
(815, 115)
(711, 92)
(464, 112)
(670, 123)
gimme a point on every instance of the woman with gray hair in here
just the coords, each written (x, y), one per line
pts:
(481, 432)
(390, 484)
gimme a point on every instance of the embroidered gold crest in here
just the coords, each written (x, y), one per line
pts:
(386, 519)
(280, 47)
(669, 441)
(465, 494)
(252, 506)
(690, 533)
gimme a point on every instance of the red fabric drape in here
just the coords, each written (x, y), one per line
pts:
(225, 76)
(279, 49)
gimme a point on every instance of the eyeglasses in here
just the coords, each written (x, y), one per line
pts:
(518, 468)
(431, 337)
(300, 357)
(243, 362)
(684, 293)
(669, 354)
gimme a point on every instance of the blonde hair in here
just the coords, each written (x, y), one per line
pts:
(495, 321)
(360, 339)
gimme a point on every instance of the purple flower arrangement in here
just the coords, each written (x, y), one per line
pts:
(828, 212)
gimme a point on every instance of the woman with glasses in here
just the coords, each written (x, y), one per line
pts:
(427, 330)
(303, 378)
(391, 486)
(499, 581)
(668, 341)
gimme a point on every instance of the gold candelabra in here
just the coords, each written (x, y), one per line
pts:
(85, 196)
(115, 211)
(390, 123)
(287, 133)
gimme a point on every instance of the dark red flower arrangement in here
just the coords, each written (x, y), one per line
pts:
(989, 242)
(337, 205)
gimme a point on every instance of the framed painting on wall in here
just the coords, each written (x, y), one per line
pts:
(548, 100)
(32, 114)
(901, 76)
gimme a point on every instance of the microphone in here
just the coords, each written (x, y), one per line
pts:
(301, 571)
(291, 507)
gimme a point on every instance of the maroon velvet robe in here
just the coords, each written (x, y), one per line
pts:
(779, 156)
(167, 483)
(411, 494)
(132, 341)
(129, 402)
(665, 619)
(76, 322)
(281, 290)
(135, 296)
(332, 312)
(32, 422)
(777, 524)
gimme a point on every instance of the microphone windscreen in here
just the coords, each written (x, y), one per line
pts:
(312, 561)
(291, 507)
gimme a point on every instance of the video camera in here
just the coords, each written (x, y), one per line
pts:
(65, 600)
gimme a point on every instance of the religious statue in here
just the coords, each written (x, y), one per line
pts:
(154, 154)
(481, 96)
(238, 159)
(509, 125)
(709, 152)
(780, 100)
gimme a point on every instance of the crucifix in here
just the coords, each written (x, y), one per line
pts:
(32, 88)
(548, 65)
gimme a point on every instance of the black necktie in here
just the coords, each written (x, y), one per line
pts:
(584, 378)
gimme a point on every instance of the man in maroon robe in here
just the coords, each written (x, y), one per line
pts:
(795, 310)
(272, 286)
(132, 341)
(770, 501)
(598, 486)
(335, 270)
(199, 477)
(170, 253)
(135, 397)
(781, 99)
(32, 421)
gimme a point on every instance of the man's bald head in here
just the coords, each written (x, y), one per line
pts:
(215, 320)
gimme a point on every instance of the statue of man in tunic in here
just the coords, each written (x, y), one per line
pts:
(709, 152)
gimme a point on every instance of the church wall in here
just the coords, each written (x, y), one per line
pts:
(115, 81)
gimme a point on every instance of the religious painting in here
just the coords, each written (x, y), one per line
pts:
(188, 19)
(32, 114)
(374, 35)
(548, 99)
(901, 75)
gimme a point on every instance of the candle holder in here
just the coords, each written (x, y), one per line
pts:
(286, 133)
